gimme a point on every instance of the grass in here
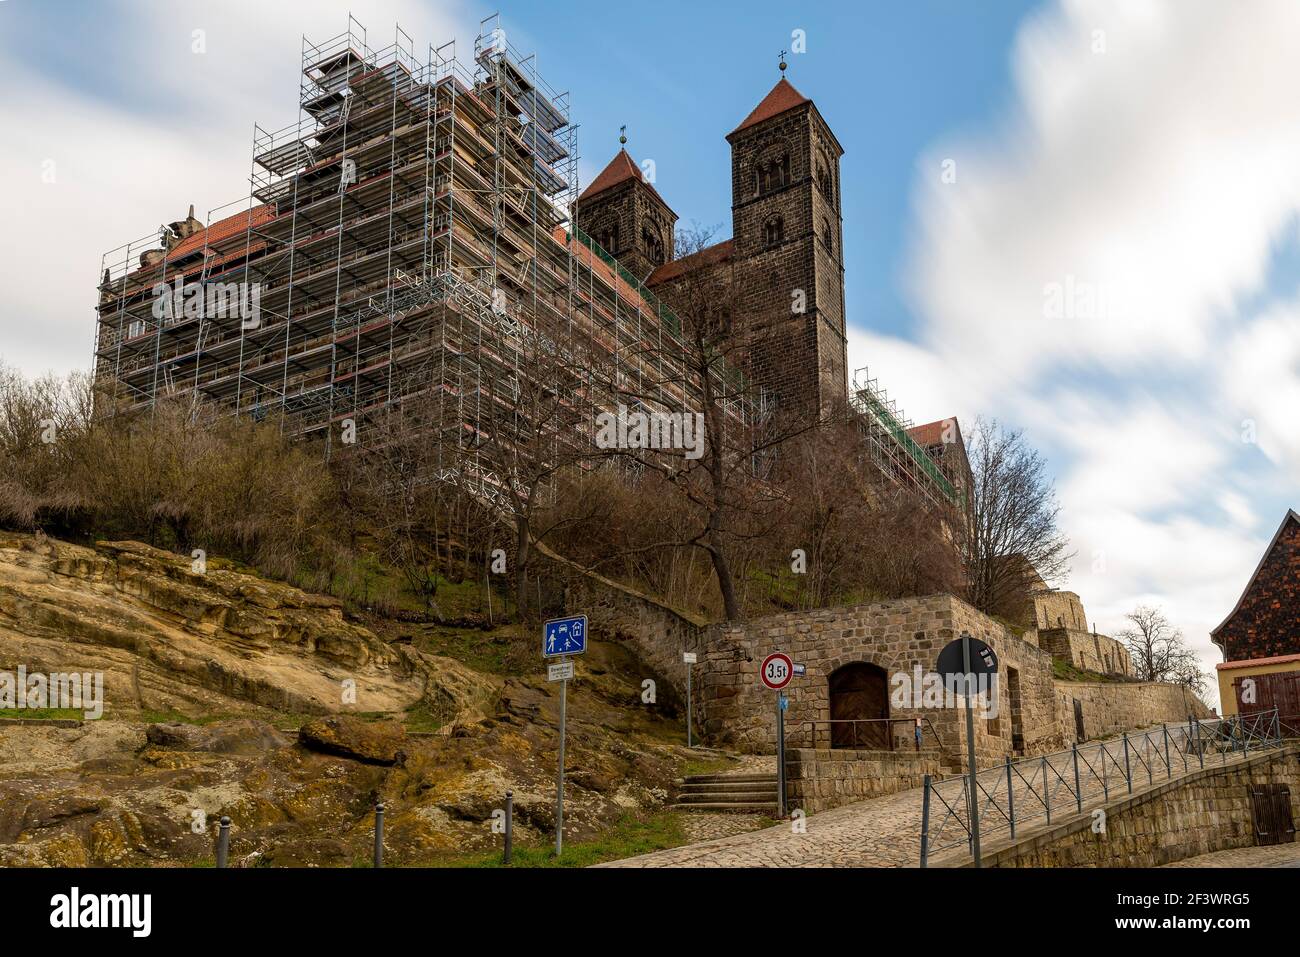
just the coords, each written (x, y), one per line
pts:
(1065, 671)
(44, 714)
(706, 766)
(633, 834)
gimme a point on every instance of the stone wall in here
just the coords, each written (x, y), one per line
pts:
(818, 780)
(902, 637)
(1086, 650)
(1059, 609)
(1113, 707)
(1204, 811)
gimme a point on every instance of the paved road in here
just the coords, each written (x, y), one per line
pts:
(1278, 855)
(884, 832)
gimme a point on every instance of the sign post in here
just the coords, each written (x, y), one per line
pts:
(975, 658)
(775, 672)
(688, 658)
(562, 637)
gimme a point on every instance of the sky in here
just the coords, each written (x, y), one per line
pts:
(1079, 217)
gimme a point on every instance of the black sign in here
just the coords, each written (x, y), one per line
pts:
(982, 660)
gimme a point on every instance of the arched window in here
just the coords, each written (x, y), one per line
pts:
(824, 182)
(828, 236)
(654, 245)
(773, 173)
(773, 231)
(609, 239)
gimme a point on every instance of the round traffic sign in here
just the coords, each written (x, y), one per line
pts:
(777, 670)
(950, 665)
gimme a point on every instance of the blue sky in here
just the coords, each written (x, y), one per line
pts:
(1114, 268)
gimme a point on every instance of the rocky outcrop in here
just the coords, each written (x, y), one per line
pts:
(371, 742)
(169, 636)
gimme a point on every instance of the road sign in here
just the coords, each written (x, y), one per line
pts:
(777, 670)
(564, 636)
(982, 660)
(800, 671)
(562, 671)
(689, 657)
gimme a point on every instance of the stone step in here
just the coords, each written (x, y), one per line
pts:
(731, 778)
(722, 787)
(728, 797)
(736, 807)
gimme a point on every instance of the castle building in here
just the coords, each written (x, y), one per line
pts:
(782, 270)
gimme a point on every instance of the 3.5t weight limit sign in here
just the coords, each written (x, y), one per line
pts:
(777, 670)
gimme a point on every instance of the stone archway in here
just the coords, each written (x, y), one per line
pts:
(859, 691)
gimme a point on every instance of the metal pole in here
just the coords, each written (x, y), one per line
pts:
(970, 751)
(379, 834)
(780, 755)
(1078, 791)
(1105, 787)
(1128, 771)
(1200, 751)
(559, 774)
(925, 823)
(510, 823)
(1169, 768)
(688, 705)
(1047, 794)
(223, 843)
(1011, 801)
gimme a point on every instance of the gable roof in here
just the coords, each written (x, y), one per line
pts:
(1291, 516)
(709, 256)
(780, 98)
(620, 169)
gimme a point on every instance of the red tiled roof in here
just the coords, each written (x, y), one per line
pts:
(931, 433)
(620, 169)
(709, 256)
(1256, 662)
(782, 97)
(222, 229)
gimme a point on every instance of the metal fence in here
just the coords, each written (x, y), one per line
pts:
(1022, 793)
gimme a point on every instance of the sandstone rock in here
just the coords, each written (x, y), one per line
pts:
(372, 742)
(245, 736)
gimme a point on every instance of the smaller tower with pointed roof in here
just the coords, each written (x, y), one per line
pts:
(623, 212)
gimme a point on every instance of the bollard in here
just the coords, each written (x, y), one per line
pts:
(223, 843)
(510, 836)
(379, 834)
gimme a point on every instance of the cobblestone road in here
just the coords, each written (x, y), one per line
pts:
(884, 832)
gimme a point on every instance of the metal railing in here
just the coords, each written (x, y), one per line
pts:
(1022, 793)
(877, 735)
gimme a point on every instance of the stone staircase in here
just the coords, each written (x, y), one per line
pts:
(737, 793)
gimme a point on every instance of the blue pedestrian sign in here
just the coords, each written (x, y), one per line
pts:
(564, 636)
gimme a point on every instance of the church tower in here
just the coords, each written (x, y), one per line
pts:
(625, 214)
(789, 265)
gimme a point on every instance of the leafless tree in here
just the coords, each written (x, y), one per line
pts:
(1012, 527)
(1160, 652)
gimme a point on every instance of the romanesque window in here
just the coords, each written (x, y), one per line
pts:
(824, 182)
(774, 231)
(654, 245)
(828, 236)
(773, 173)
(608, 239)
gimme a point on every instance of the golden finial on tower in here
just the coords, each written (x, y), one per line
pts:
(783, 63)
(622, 134)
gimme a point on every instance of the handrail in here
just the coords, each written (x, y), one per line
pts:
(812, 726)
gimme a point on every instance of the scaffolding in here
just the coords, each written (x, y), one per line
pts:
(408, 236)
(892, 449)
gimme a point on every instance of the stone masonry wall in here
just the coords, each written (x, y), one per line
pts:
(819, 780)
(1111, 708)
(1208, 810)
(1083, 649)
(735, 710)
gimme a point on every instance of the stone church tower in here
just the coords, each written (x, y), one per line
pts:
(624, 213)
(788, 257)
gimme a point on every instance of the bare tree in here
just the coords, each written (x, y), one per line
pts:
(722, 477)
(1160, 652)
(1012, 527)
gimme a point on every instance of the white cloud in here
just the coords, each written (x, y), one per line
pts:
(1084, 278)
(120, 168)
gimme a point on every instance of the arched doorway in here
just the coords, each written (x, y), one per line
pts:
(859, 691)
